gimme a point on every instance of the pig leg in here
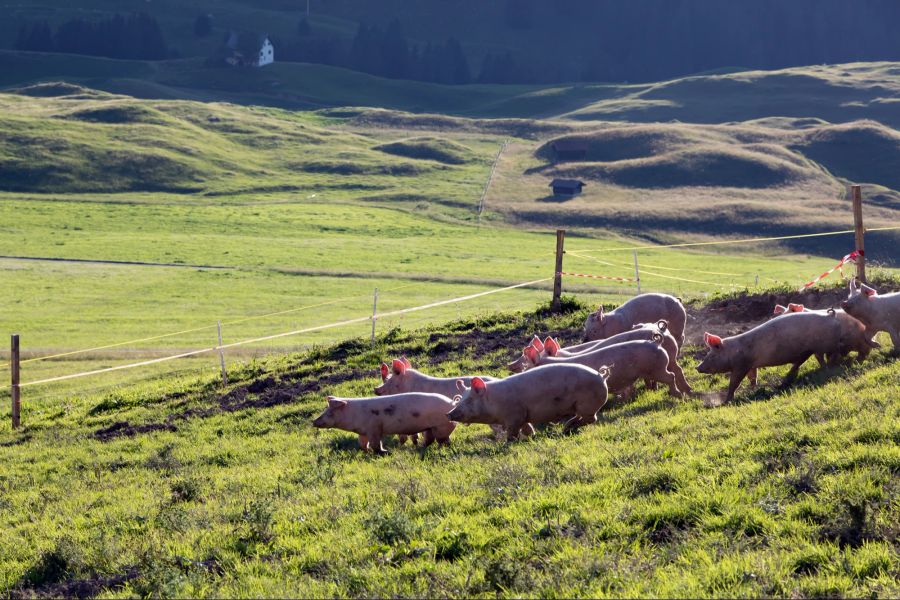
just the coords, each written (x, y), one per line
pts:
(374, 434)
(895, 339)
(792, 374)
(650, 384)
(680, 380)
(401, 439)
(442, 433)
(821, 359)
(737, 375)
(428, 437)
(573, 423)
(751, 377)
(363, 442)
(527, 430)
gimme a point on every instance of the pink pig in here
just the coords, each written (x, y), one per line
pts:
(403, 414)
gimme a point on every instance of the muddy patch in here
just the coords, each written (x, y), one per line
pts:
(77, 588)
(261, 393)
(126, 429)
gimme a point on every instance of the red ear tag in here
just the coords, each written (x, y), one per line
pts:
(478, 384)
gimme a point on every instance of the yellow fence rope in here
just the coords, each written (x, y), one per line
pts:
(285, 334)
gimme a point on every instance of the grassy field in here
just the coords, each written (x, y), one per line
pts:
(180, 214)
(180, 487)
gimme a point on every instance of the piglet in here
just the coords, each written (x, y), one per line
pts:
(402, 414)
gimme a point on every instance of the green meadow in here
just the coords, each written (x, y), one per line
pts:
(183, 487)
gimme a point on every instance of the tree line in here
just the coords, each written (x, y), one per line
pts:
(136, 36)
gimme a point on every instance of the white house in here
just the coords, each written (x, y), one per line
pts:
(266, 53)
(249, 50)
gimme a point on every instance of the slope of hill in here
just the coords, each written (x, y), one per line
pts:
(185, 488)
(836, 93)
(66, 140)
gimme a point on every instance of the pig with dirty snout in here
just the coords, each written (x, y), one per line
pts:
(540, 395)
(402, 414)
(646, 308)
(789, 339)
(878, 312)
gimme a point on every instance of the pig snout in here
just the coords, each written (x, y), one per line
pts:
(319, 423)
(379, 391)
(455, 414)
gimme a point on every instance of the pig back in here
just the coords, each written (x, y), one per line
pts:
(650, 308)
(402, 413)
(786, 339)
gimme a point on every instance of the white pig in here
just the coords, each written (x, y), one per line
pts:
(876, 311)
(403, 414)
(646, 308)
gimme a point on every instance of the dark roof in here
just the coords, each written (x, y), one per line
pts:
(567, 183)
(234, 37)
(570, 145)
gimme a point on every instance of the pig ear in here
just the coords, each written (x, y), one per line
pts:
(478, 385)
(384, 371)
(552, 347)
(853, 285)
(399, 366)
(792, 307)
(713, 341)
(336, 402)
(531, 352)
(779, 309)
(869, 291)
(537, 344)
(406, 362)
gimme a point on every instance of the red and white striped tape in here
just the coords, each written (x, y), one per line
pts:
(596, 276)
(849, 258)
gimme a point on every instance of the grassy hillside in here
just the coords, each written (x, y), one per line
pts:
(835, 93)
(182, 487)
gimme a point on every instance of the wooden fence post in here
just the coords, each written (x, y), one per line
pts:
(374, 313)
(557, 274)
(856, 192)
(222, 354)
(637, 274)
(14, 368)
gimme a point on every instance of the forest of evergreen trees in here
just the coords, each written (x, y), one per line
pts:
(136, 36)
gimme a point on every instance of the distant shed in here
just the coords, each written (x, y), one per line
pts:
(566, 187)
(570, 149)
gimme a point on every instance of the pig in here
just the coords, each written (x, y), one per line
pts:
(540, 395)
(662, 326)
(646, 308)
(403, 414)
(852, 333)
(627, 361)
(878, 312)
(789, 339)
(401, 378)
(644, 331)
